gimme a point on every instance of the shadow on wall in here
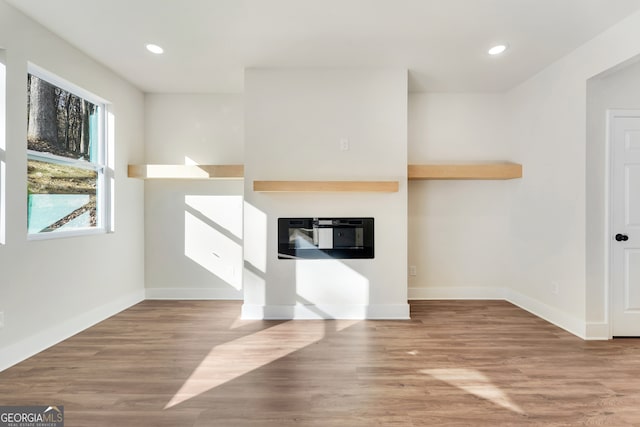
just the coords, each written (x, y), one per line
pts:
(333, 287)
(213, 235)
(255, 254)
(321, 288)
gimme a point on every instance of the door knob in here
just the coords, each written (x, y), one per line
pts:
(621, 237)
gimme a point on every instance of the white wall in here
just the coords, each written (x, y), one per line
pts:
(294, 120)
(514, 239)
(521, 239)
(619, 89)
(459, 230)
(551, 225)
(52, 289)
(193, 229)
(202, 128)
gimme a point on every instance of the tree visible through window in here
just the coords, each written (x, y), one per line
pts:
(65, 155)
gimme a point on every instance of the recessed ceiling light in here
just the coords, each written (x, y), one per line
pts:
(154, 48)
(497, 50)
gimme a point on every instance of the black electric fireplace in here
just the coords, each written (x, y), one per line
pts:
(318, 238)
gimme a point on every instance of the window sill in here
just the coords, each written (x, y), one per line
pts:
(66, 234)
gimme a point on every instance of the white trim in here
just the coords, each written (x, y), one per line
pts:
(608, 225)
(21, 350)
(389, 311)
(193, 294)
(104, 201)
(550, 314)
(458, 293)
(598, 331)
(252, 312)
(3, 145)
(104, 195)
(30, 346)
(66, 161)
(61, 234)
(3, 199)
(607, 220)
(320, 312)
(64, 84)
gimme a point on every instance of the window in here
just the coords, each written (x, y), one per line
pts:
(3, 173)
(66, 191)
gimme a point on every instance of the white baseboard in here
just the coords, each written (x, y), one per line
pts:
(458, 292)
(389, 312)
(194, 293)
(309, 312)
(548, 313)
(30, 346)
(598, 331)
(21, 350)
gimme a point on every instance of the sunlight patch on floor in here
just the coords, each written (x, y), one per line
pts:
(240, 322)
(474, 382)
(340, 324)
(233, 359)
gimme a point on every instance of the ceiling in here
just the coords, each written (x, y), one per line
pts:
(443, 43)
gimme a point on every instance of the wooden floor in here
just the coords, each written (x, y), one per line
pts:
(456, 363)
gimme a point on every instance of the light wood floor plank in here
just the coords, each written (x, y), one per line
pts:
(456, 363)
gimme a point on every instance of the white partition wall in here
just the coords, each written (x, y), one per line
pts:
(193, 228)
(328, 125)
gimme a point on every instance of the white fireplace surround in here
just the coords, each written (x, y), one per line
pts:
(296, 122)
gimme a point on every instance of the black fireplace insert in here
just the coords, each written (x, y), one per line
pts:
(322, 238)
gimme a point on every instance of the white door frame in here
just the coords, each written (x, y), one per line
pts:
(612, 114)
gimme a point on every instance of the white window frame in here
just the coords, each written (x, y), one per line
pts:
(3, 145)
(104, 173)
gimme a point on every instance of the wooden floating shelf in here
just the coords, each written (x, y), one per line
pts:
(486, 171)
(498, 170)
(186, 171)
(326, 186)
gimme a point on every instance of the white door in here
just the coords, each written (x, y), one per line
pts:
(625, 222)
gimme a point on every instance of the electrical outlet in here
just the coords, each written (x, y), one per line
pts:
(555, 288)
(344, 144)
(413, 271)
